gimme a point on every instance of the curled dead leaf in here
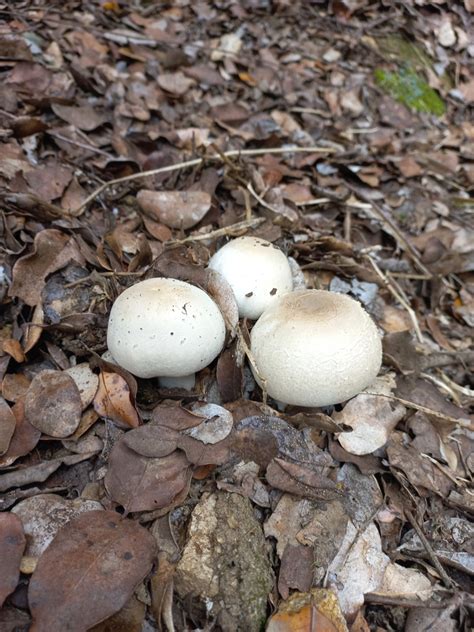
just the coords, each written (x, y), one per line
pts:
(114, 400)
(176, 209)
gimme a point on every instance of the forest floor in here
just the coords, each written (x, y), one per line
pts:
(343, 133)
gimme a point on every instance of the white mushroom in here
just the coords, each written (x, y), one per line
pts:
(165, 328)
(257, 271)
(315, 348)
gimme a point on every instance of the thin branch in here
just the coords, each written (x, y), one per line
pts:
(429, 549)
(221, 232)
(197, 161)
(465, 423)
(398, 297)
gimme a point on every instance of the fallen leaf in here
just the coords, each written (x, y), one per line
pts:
(12, 544)
(7, 426)
(315, 611)
(372, 416)
(53, 404)
(86, 381)
(399, 581)
(176, 209)
(141, 483)
(358, 567)
(24, 439)
(39, 473)
(216, 426)
(175, 82)
(113, 400)
(44, 514)
(84, 117)
(13, 348)
(52, 251)
(89, 571)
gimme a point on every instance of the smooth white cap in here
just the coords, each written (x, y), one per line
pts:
(316, 348)
(164, 327)
(257, 271)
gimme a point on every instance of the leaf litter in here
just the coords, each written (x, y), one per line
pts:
(136, 140)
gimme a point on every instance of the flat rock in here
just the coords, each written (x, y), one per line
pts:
(225, 562)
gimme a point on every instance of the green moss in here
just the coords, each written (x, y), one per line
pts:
(409, 88)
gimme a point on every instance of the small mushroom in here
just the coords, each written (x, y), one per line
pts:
(257, 271)
(165, 328)
(315, 348)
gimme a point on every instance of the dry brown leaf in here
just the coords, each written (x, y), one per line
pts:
(24, 439)
(53, 250)
(12, 545)
(43, 515)
(53, 404)
(141, 483)
(176, 209)
(13, 348)
(7, 426)
(84, 117)
(114, 400)
(176, 83)
(89, 571)
(315, 611)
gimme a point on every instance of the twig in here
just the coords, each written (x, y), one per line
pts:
(221, 232)
(85, 146)
(260, 200)
(251, 359)
(388, 600)
(429, 549)
(393, 227)
(398, 297)
(465, 423)
(198, 161)
(455, 479)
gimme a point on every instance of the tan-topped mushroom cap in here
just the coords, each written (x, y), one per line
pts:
(316, 348)
(164, 327)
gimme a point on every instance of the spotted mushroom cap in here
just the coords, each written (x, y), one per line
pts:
(164, 327)
(315, 348)
(257, 271)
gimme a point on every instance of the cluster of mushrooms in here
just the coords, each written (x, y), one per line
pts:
(309, 347)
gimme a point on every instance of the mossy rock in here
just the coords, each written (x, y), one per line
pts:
(409, 88)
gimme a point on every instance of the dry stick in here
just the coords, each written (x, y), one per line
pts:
(221, 232)
(393, 227)
(198, 161)
(429, 549)
(465, 423)
(388, 600)
(251, 359)
(398, 297)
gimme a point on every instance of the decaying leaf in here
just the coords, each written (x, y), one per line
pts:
(318, 611)
(7, 425)
(53, 250)
(358, 567)
(141, 483)
(89, 571)
(372, 416)
(113, 400)
(86, 381)
(53, 404)
(43, 515)
(12, 544)
(176, 209)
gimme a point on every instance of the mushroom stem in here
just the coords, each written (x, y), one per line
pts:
(185, 382)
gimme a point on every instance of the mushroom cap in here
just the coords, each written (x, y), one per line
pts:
(257, 271)
(315, 348)
(164, 327)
